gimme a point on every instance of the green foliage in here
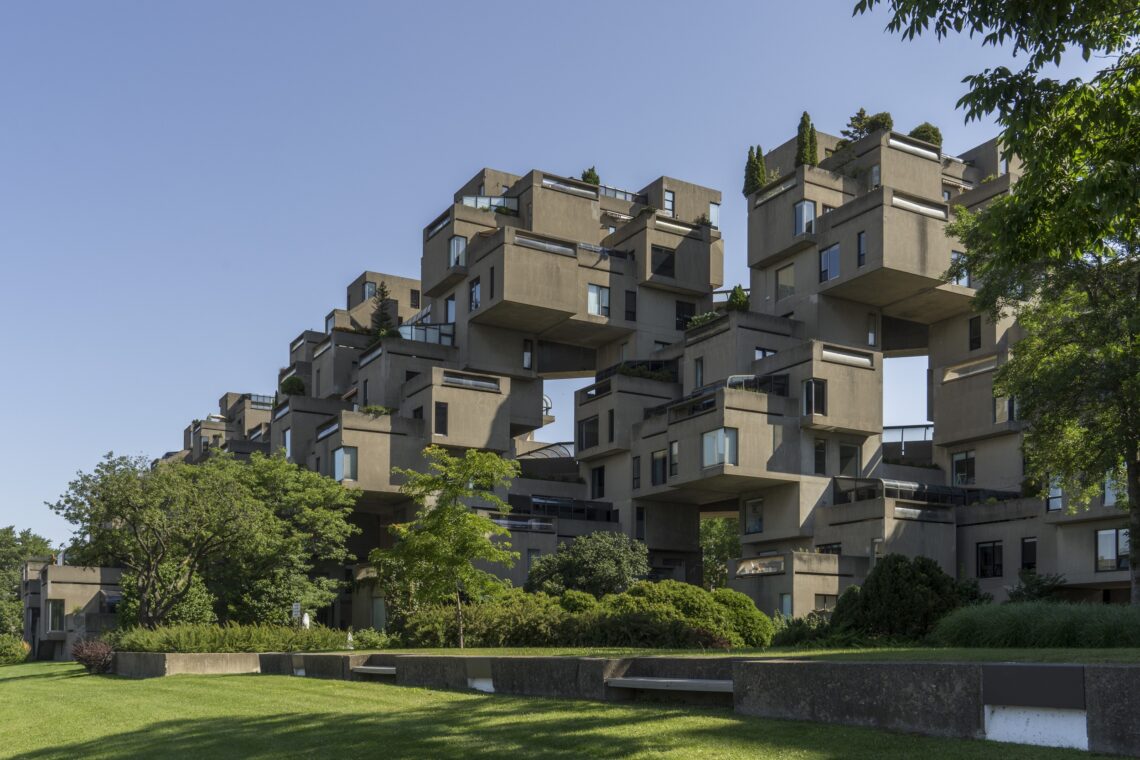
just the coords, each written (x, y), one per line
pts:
(370, 638)
(738, 299)
(807, 148)
(1032, 587)
(928, 133)
(15, 549)
(13, 649)
(382, 324)
(293, 386)
(755, 170)
(750, 624)
(590, 176)
(433, 560)
(901, 598)
(862, 124)
(95, 655)
(376, 410)
(703, 319)
(1040, 624)
(811, 628)
(513, 618)
(637, 370)
(603, 562)
(720, 542)
(195, 607)
(577, 601)
(228, 638)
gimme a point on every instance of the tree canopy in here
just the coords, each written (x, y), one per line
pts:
(807, 148)
(598, 563)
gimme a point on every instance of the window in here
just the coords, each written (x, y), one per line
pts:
(718, 447)
(473, 295)
(836, 548)
(1112, 547)
(631, 305)
(826, 601)
(457, 251)
(699, 372)
(288, 435)
(639, 524)
(364, 394)
(344, 463)
(826, 209)
(55, 615)
(714, 215)
(598, 482)
(330, 323)
(989, 559)
(440, 418)
(610, 423)
(1055, 498)
(414, 299)
(598, 300)
(491, 284)
(588, 433)
(369, 290)
(528, 354)
(763, 353)
(815, 396)
(1111, 496)
(872, 328)
(820, 456)
(803, 217)
(674, 455)
(449, 309)
(657, 465)
(876, 179)
(635, 467)
(1029, 555)
(963, 278)
(663, 261)
(785, 281)
(850, 457)
(786, 605)
(684, 311)
(754, 516)
(975, 333)
(829, 263)
(945, 194)
(1003, 166)
(669, 203)
(861, 248)
(962, 468)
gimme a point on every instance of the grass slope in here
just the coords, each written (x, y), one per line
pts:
(50, 710)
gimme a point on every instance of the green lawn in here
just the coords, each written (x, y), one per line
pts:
(50, 710)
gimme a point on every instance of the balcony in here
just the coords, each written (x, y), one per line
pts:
(441, 334)
(847, 490)
(497, 203)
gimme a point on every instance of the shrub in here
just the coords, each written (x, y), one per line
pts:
(681, 613)
(370, 638)
(901, 598)
(1040, 624)
(293, 386)
(376, 410)
(195, 608)
(229, 638)
(512, 619)
(590, 176)
(93, 654)
(737, 299)
(577, 601)
(752, 625)
(13, 649)
(812, 627)
(1032, 587)
(702, 319)
(928, 133)
(599, 563)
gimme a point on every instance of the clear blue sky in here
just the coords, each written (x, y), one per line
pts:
(184, 187)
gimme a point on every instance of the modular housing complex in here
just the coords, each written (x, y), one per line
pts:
(772, 415)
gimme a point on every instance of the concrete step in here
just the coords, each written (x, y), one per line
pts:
(671, 684)
(375, 670)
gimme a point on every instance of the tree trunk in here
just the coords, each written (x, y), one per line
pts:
(459, 615)
(1133, 470)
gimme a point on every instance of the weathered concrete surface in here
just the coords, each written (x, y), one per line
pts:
(711, 668)
(139, 664)
(1112, 697)
(335, 666)
(156, 664)
(276, 663)
(432, 671)
(939, 699)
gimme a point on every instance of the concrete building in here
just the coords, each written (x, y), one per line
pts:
(66, 603)
(773, 415)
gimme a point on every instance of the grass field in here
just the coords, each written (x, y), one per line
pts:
(54, 710)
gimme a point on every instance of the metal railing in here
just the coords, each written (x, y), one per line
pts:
(775, 385)
(665, 370)
(847, 490)
(523, 522)
(260, 400)
(491, 202)
(721, 296)
(562, 507)
(442, 334)
(901, 434)
(622, 195)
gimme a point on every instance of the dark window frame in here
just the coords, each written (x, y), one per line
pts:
(440, 425)
(995, 566)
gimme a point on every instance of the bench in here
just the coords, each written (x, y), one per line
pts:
(375, 670)
(671, 684)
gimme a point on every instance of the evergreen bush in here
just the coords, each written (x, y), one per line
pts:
(590, 176)
(738, 299)
(753, 626)
(928, 133)
(229, 638)
(370, 638)
(13, 649)
(293, 386)
(1040, 624)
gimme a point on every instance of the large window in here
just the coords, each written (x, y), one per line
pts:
(684, 311)
(344, 463)
(528, 354)
(989, 559)
(670, 203)
(962, 279)
(587, 433)
(1111, 496)
(288, 436)
(714, 215)
(850, 457)
(699, 372)
(457, 251)
(975, 333)
(820, 456)
(598, 300)
(804, 217)
(449, 309)
(635, 467)
(718, 447)
(440, 418)
(674, 457)
(872, 328)
(785, 281)
(598, 482)
(657, 464)
(962, 468)
(414, 299)
(473, 293)
(631, 305)
(1055, 498)
(861, 248)
(876, 177)
(664, 261)
(55, 615)
(369, 290)
(1112, 547)
(815, 396)
(1029, 555)
(829, 263)
(754, 516)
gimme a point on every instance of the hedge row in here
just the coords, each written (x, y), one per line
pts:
(228, 638)
(1040, 625)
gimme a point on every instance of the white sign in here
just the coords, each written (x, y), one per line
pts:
(296, 610)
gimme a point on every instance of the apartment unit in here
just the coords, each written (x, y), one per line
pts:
(64, 604)
(773, 414)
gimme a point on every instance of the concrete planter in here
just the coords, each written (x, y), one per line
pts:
(156, 664)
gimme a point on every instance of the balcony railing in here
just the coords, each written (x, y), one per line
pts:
(260, 401)
(524, 522)
(622, 195)
(662, 370)
(562, 507)
(847, 490)
(774, 385)
(442, 334)
(489, 202)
